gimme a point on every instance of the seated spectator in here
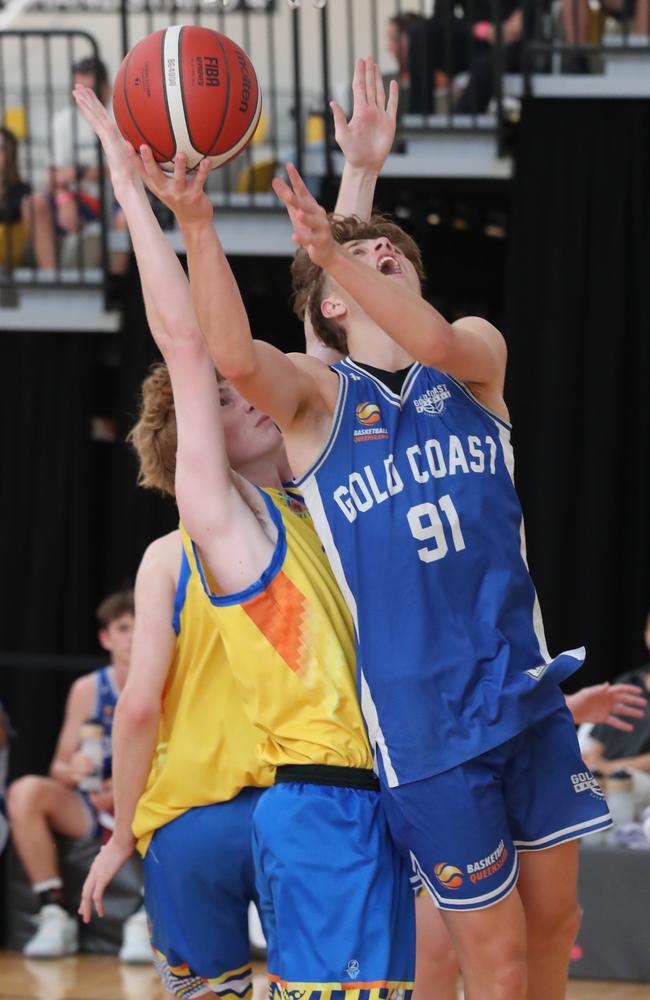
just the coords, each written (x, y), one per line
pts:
(25, 217)
(613, 749)
(75, 172)
(399, 30)
(576, 15)
(41, 807)
(449, 45)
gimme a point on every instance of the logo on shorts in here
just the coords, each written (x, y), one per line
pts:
(433, 400)
(292, 994)
(369, 416)
(584, 781)
(448, 875)
(489, 865)
(352, 968)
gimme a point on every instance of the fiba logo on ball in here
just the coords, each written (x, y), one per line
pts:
(448, 875)
(188, 89)
(368, 414)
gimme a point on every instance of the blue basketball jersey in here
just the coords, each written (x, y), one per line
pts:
(105, 701)
(414, 499)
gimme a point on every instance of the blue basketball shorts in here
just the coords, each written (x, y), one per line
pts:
(465, 828)
(334, 894)
(198, 882)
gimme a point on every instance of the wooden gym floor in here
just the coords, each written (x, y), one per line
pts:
(91, 977)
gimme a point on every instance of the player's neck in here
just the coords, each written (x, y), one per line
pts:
(370, 345)
(262, 471)
(120, 670)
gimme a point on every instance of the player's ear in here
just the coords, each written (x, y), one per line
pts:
(333, 308)
(104, 639)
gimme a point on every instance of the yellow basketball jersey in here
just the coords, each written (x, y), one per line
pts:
(289, 641)
(207, 748)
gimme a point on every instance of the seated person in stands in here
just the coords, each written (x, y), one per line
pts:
(25, 217)
(41, 807)
(611, 749)
(75, 170)
(444, 44)
(400, 26)
(576, 15)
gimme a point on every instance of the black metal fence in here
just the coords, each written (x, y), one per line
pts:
(452, 61)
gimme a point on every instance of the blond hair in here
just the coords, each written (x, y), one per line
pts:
(154, 435)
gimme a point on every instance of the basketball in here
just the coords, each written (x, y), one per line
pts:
(187, 89)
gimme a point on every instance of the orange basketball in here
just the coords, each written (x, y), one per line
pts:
(187, 89)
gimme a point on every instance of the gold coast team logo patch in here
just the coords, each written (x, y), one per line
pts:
(368, 414)
(448, 875)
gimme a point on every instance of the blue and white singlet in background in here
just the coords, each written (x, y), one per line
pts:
(414, 500)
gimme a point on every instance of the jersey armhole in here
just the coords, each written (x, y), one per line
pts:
(267, 576)
(181, 591)
(337, 417)
(470, 395)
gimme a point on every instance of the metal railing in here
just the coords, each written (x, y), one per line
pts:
(41, 138)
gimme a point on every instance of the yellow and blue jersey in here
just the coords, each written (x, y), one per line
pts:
(289, 641)
(206, 750)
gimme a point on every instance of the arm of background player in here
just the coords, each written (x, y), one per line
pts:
(69, 765)
(366, 140)
(277, 384)
(137, 715)
(472, 350)
(605, 703)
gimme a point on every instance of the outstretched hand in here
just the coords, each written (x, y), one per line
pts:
(311, 228)
(185, 196)
(123, 162)
(367, 139)
(606, 703)
(106, 865)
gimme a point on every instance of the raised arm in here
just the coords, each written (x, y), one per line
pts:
(472, 349)
(137, 715)
(211, 506)
(283, 386)
(366, 140)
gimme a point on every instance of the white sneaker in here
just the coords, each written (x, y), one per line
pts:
(57, 934)
(136, 947)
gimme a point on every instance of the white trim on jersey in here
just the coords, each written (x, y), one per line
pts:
(313, 499)
(470, 395)
(576, 828)
(538, 624)
(337, 417)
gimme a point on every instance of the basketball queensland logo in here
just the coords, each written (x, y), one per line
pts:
(369, 416)
(448, 875)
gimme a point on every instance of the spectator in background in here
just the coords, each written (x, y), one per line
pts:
(75, 171)
(613, 749)
(399, 29)
(576, 16)
(24, 217)
(446, 43)
(41, 807)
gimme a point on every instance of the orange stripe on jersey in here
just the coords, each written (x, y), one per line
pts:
(279, 614)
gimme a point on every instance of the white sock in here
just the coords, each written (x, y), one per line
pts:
(50, 883)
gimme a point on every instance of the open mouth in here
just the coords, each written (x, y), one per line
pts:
(389, 265)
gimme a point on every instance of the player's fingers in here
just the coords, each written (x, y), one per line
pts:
(617, 723)
(393, 99)
(202, 173)
(359, 82)
(371, 90)
(298, 185)
(380, 92)
(340, 121)
(623, 709)
(85, 905)
(283, 191)
(628, 689)
(180, 168)
(151, 169)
